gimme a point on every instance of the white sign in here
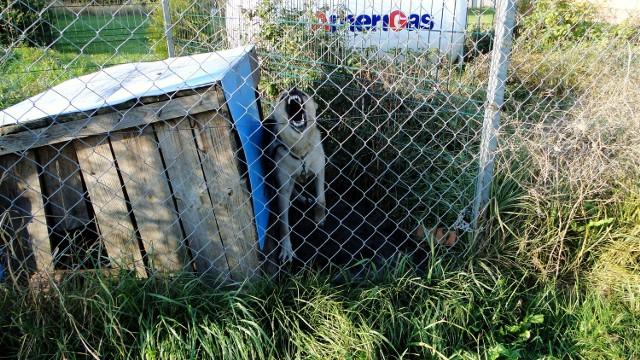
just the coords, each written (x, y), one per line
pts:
(396, 25)
(378, 25)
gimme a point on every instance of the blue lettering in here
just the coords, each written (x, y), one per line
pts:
(351, 21)
(385, 22)
(363, 22)
(414, 22)
(333, 20)
(374, 22)
(375, 19)
(428, 23)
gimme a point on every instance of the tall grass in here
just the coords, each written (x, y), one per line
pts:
(464, 310)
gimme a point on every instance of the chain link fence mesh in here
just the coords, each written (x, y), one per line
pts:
(402, 132)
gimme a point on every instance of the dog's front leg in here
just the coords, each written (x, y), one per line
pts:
(284, 203)
(320, 209)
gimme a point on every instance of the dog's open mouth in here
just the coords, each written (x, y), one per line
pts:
(295, 110)
(298, 124)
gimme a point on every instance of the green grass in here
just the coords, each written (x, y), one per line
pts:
(125, 34)
(80, 49)
(463, 310)
(480, 19)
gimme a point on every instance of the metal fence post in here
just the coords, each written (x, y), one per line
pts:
(168, 28)
(506, 14)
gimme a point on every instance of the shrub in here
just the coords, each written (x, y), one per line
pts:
(551, 21)
(24, 22)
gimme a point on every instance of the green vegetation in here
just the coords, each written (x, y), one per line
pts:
(22, 22)
(557, 274)
(89, 35)
(486, 308)
(480, 19)
(554, 22)
(195, 27)
(78, 49)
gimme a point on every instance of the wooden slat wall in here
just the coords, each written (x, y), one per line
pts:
(145, 180)
(163, 182)
(190, 190)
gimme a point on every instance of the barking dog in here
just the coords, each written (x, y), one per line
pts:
(298, 156)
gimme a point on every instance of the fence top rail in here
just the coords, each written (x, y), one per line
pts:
(119, 84)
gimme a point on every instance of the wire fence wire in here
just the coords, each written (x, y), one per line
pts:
(407, 130)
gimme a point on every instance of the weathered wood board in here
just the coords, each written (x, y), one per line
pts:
(147, 186)
(159, 182)
(109, 203)
(73, 128)
(191, 193)
(24, 226)
(229, 196)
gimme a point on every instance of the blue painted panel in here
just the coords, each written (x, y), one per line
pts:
(239, 90)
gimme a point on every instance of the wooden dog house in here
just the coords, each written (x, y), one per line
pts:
(145, 166)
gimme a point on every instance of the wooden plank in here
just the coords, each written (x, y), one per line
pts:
(62, 186)
(146, 183)
(21, 199)
(99, 124)
(80, 115)
(109, 203)
(190, 190)
(229, 193)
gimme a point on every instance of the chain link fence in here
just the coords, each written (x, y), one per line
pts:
(436, 119)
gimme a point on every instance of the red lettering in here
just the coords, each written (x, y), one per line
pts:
(322, 19)
(397, 20)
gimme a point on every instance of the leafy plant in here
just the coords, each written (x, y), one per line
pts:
(551, 21)
(25, 23)
(292, 51)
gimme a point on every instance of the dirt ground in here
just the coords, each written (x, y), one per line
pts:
(355, 229)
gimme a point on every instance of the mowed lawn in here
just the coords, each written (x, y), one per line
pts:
(124, 35)
(83, 44)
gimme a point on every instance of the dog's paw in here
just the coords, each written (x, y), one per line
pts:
(303, 199)
(320, 215)
(308, 200)
(286, 251)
